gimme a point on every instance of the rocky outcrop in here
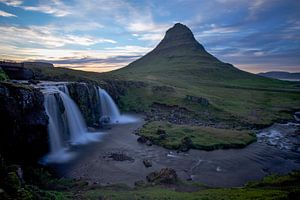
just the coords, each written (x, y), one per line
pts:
(87, 98)
(164, 176)
(17, 71)
(24, 122)
(147, 163)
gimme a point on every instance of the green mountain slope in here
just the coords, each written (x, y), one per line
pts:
(181, 63)
(180, 56)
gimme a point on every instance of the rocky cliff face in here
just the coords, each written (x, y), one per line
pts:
(23, 136)
(87, 98)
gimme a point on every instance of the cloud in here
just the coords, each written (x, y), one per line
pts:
(45, 37)
(14, 3)
(53, 7)
(6, 14)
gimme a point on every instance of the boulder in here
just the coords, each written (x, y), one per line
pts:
(104, 120)
(164, 176)
(147, 163)
(120, 157)
(142, 139)
(162, 134)
(149, 143)
(186, 144)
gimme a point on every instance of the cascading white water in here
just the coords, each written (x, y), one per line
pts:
(78, 133)
(110, 109)
(58, 152)
(108, 106)
(77, 127)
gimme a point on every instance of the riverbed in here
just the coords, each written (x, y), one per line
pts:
(272, 153)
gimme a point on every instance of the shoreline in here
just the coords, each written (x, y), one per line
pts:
(218, 168)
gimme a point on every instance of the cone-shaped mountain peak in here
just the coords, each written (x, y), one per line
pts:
(179, 54)
(179, 35)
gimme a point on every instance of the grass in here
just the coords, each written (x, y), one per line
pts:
(274, 187)
(3, 76)
(205, 138)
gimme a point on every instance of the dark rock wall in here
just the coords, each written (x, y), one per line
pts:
(87, 98)
(23, 135)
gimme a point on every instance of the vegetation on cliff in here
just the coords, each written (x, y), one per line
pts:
(3, 76)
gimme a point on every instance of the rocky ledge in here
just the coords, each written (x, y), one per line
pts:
(24, 122)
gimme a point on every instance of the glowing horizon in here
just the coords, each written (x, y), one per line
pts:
(255, 36)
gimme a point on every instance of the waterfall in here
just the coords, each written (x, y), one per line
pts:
(58, 152)
(77, 127)
(74, 123)
(110, 109)
(66, 124)
(108, 106)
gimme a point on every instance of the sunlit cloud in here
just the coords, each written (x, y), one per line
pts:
(53, 7)
(43, 36)
(6, 14)
(111, 34)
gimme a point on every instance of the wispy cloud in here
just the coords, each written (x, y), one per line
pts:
(6, 14)
(45, 37)
(54, 7)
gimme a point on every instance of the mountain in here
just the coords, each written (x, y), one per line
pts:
(179, 71)
(179, 55)
(282, 75)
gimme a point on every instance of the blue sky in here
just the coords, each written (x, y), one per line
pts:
(102, 35)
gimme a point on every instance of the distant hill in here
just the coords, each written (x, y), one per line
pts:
(282, 75)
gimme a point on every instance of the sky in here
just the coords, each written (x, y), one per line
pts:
(103, 35)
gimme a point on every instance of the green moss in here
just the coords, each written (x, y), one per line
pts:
(196, 137)
(12, 183)
(3, 76)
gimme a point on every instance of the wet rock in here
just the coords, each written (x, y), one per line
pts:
(86, 97)
(147, 163)
(120, 157)
(34, 82)
(186, 144)
(104, 120)
(24, 135)
(164, 176)
(142, 139)
(149, 143)
(297, 116)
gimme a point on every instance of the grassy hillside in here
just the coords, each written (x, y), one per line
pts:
(181, 63)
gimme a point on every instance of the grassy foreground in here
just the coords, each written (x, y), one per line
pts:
(39, 184)
(196, 137)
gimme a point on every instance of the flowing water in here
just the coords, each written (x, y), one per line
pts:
(276, 151)
(111, 110)
(219, 168)
(69, 121)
